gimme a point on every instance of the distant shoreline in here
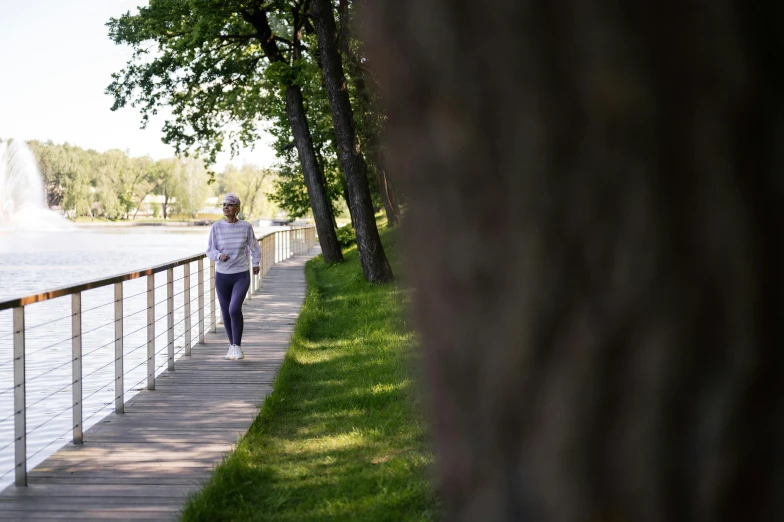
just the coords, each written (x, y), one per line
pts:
(124, 224)
(197, 223)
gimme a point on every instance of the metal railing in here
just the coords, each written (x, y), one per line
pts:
(275, 247)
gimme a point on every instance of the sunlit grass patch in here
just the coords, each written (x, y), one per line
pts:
(341, 436)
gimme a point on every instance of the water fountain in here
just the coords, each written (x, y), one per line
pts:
(22, 194)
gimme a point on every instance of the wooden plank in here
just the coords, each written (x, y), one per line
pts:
(95, 501)
(179, 475)
(129, 479)
(156, 455)
(72, 490)
(143, 463)
(151, 515)
(161, 466)
(176, 435)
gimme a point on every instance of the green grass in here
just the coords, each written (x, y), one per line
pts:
(341, 436)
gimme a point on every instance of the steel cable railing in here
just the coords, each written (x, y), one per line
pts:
(173, 324)
(105, 325)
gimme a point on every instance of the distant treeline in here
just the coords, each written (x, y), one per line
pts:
(114, 185)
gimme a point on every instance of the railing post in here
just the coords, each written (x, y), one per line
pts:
(76, 365)
(187, 293)
(151, 332)
(170, 317)
(201, 301)
(213, 323)
(20, 403)
(119, 384)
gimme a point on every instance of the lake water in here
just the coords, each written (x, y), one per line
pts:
(33, 262)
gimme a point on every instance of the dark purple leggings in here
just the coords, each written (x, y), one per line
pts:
(231, 293)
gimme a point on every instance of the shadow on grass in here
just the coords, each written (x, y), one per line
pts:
(341, 437)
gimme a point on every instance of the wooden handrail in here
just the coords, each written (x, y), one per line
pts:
(98, 283)
(276, 246)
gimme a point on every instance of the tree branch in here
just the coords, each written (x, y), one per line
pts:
(236, 37)
(257, 17)
(283, 40)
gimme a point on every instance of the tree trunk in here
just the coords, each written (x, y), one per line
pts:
(295, 110)
(371, 252)
(348, 200)
(388, 195)
(372, 146)
(321, 162)
(599, 278)
(319, 203)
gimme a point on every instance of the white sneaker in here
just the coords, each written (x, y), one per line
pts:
(230, 353)
(238, 353)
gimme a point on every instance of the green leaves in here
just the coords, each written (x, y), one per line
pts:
(113, 185)
(205, 61)
(202, 60)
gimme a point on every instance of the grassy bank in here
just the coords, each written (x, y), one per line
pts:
(340, 437)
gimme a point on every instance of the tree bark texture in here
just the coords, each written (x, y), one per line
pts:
(372, 145)
(371, 252)
(388, 194)
(295, 109)
(594, 233)
(319, 203)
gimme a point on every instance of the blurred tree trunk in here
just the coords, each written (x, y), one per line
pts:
(371, 142)
(371, 252)
(599, 282)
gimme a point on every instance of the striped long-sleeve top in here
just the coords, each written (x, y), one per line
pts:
(236, 240)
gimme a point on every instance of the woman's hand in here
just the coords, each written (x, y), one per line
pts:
(255, 270)
(223, 257)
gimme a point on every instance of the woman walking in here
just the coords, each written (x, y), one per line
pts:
(231, 240)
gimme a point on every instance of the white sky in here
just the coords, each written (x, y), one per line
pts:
(55, 63)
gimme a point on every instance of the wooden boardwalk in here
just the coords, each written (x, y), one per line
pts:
(142, 464)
